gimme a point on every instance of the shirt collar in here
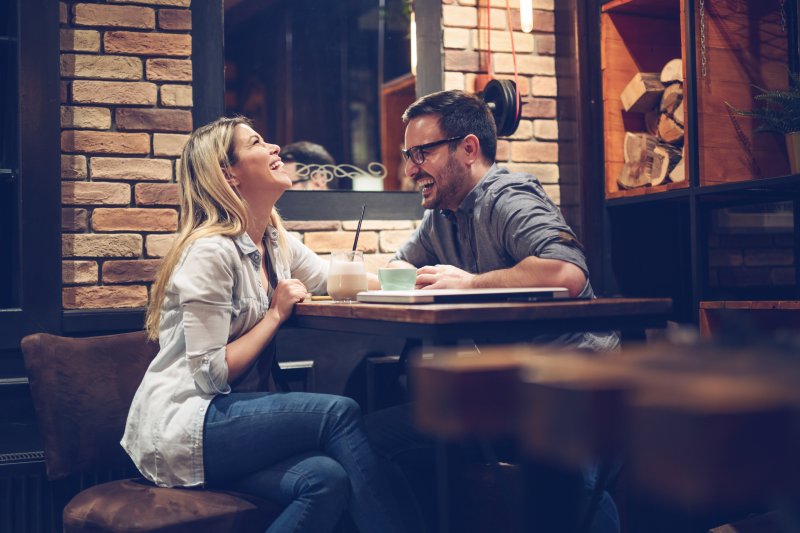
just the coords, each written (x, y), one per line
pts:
(468, 203)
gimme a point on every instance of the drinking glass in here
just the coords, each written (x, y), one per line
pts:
(347, 276)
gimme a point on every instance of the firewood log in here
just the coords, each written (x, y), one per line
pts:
(665, 158)
(678, 115)
(669, 131)
(671, 98)
(678, 174)
(672, 72)
(638, 155)
(642, 93)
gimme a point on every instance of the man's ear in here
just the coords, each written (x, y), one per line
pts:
(472, 148)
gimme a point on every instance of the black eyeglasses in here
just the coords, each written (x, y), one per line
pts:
(417, 153)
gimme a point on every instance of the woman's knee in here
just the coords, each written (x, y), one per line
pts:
(348, 409)
(325, 477)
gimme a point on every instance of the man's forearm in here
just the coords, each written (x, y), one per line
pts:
(534, 272)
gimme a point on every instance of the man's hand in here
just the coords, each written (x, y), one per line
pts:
(443, 277)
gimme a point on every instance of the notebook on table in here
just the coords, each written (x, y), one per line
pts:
(519, 294)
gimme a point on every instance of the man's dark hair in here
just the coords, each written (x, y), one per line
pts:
(306, 153)
(459, 113)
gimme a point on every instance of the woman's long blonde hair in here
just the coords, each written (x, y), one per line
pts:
(209, 205)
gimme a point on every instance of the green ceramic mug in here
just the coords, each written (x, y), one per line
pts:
(397, 279)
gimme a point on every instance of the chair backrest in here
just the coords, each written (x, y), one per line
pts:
(82, 389)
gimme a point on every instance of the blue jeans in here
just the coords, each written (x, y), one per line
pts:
(308, 452)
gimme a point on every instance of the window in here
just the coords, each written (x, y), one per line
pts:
(318, 75)
(9, 191)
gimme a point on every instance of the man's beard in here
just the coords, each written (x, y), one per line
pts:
(446, 186)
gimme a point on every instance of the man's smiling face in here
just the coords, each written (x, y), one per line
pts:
(441, 178)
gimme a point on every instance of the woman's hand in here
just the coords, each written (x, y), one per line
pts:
(286, 294)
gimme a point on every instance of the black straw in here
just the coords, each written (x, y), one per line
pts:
(358, 229)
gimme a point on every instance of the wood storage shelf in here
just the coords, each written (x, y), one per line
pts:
(638, 38)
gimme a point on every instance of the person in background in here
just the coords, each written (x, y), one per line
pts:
(312, 156)
(484, 227)
(230, 279)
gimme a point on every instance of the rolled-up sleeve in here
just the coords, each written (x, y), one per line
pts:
(529, 224)
(204, 283)
(307, 266)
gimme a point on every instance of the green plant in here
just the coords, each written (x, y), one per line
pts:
(776, 110)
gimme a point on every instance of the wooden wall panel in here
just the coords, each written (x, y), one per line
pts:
(746, 47)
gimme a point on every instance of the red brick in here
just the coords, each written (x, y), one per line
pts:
(63, 87)
(101, 66)
(174, 19)
(157, 194)
(503, 150)
(539, 108)
(134, 219)
(91, 245)
(106, 297)
(331, 241)
(543, 21)
(94, 193)
(83, 117)
(148, 44)
(534, 152)
(105, 142)
(133, 169)
(391, 240)
(311, 225)
(462, 61)
(114, 16)
(114, 92)
(139, 270)
(153, 120)
(79, 272)
(545, 44)
(160, 69)
(168, 144)
(80, 40)
(177, 3)
(158, 245)
(176, 95)
(74, 219)
(73, 167)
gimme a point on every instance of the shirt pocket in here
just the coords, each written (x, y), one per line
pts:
(248, 312)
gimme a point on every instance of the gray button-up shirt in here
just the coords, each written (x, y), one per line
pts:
(215, 295)
(504, 219)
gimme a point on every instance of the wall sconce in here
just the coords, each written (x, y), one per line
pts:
(526, 15)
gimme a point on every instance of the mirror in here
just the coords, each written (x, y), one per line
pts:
(328, 82)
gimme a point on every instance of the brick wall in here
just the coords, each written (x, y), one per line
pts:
(379, 239)
(126, 99)
(747, 260)
(534, 147)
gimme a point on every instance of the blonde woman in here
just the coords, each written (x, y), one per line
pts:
(229, 281)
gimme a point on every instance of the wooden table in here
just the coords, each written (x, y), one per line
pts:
(444, 324)
(431, 327)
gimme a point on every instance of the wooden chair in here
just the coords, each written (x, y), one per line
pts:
(82, 389)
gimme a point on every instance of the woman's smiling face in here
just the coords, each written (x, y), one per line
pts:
(258, 165)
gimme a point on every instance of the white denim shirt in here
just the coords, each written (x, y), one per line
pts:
(215, 295)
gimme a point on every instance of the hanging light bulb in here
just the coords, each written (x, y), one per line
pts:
(413, 31)
(526, 15)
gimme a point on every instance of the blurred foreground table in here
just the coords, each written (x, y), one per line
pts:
(698, 426)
